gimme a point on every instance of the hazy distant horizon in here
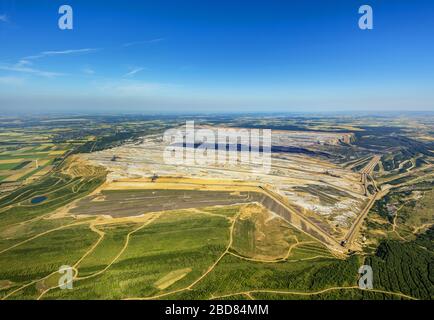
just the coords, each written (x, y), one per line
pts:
(343, 113)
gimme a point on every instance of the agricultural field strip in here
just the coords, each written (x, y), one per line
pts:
(25, 170)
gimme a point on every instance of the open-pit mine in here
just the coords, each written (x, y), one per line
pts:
(303, 186)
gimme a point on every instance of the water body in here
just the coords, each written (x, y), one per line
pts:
(39, 199)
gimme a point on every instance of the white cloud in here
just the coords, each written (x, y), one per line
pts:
(56, 53)
(129, 44)
(133, 72)
(4, 18)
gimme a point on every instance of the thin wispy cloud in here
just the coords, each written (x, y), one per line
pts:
(133, 72)
(61, 52)
(130, 88)
(23, 63)
(137, 89)
(20, 68)
(4, 18)
(134, 43)
(88, 71)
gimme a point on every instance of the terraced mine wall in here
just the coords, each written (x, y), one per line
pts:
(294, 219)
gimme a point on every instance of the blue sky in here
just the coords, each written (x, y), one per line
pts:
(216, 56)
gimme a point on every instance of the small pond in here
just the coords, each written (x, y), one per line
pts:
(39, 199)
